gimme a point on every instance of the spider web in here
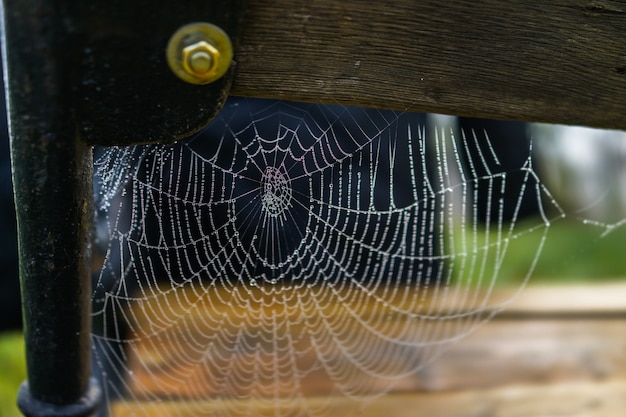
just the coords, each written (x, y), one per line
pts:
(295, 251)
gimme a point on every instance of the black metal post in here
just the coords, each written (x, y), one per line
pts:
(52, 178)
(81, 73)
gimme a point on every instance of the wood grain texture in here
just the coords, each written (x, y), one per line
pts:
(604, 399)
(535, 365)
(559, 61)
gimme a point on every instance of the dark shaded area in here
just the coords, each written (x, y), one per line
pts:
(10, 307)
(511, 143)
(511, 146)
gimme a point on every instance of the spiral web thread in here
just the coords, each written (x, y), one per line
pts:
(296, 251)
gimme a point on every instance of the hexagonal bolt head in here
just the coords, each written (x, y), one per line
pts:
(199, 58)
(199, 53)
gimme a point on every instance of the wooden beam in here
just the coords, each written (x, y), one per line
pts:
(533, 367)
(559, 61)
(588, 399)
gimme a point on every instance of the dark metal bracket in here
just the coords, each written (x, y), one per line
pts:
(83, 73)
(124, 90)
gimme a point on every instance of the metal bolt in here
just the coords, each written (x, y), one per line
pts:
(199, 53)
(199, 58)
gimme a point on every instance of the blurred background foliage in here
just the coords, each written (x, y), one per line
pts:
(12, 371)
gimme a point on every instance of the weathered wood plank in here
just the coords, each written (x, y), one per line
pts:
(600, 300)
(535, 364)
(499, 353)
(516, 352)
(605, 399)
(560, 61)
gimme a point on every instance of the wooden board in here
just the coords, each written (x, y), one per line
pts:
(556, 350)
(559, 61)
(604, 399)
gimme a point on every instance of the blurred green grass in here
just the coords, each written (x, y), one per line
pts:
(573, 253)
(577, 253)
(12, 372)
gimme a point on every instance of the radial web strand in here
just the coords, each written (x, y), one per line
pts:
(295, 251)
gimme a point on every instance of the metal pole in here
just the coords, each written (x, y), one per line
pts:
(78, 74)
(52, 179)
